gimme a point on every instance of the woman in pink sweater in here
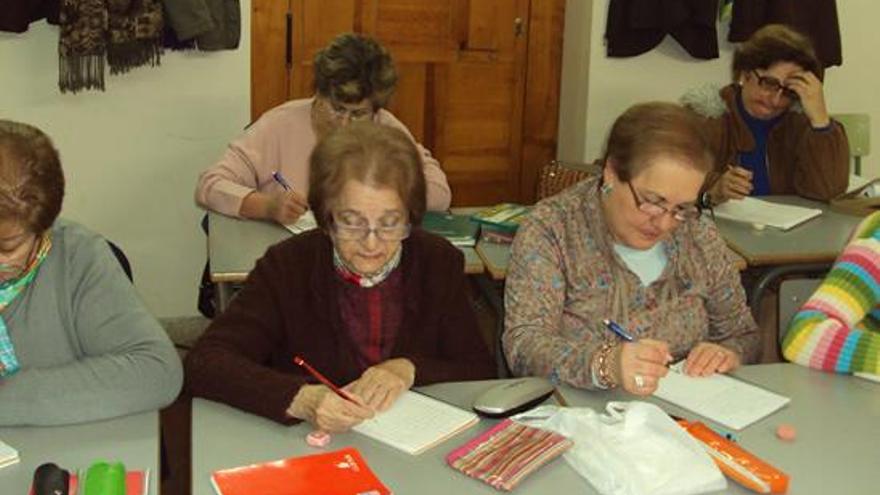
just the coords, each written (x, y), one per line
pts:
(354, 78)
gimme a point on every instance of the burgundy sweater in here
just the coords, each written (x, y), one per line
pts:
(290, 305)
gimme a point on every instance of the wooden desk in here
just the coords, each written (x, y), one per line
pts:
(132, 440)
(836, 452)
(235, 245)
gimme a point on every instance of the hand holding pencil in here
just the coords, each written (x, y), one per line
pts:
(326, 406)
(734, 183)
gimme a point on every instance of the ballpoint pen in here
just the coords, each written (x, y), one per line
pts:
(618, 330)
(281, 180)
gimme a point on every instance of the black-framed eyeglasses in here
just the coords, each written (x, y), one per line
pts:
(391, 233)
(773, 86)
(655, 208)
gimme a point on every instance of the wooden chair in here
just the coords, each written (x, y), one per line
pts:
(559, 175)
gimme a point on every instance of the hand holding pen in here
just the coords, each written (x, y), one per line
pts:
(734, 183)
(641, 363)
(287, 206)
(327, 406)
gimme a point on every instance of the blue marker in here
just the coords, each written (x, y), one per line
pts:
(618, 330)
(280, 179)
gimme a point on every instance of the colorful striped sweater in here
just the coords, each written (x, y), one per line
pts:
(838, 328)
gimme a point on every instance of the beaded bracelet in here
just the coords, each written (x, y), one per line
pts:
(602, 365)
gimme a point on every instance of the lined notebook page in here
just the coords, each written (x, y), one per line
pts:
(725, 400)
(304, 223)
(757, 211)
(416, 423)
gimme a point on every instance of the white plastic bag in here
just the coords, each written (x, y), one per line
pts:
(633, 449)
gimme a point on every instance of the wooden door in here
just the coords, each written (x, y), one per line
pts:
(462, 90)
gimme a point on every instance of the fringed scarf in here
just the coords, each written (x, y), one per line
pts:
(127, 32)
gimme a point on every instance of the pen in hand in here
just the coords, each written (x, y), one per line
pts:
(321, 378)
(281, 180)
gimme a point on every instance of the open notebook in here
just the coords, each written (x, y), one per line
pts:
(759, 212)
(304, 223)
(416, 422)
(723, 399)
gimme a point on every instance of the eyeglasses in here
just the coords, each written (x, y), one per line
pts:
(391, 233)
(773, 86)
(655, 208)
(14, 269)
(339, 111)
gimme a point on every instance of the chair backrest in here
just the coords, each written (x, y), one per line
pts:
(858, 133)
(558, 175)
(793, 294)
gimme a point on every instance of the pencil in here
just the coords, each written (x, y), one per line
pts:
(323, 379)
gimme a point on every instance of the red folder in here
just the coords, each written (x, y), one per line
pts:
(341, 472)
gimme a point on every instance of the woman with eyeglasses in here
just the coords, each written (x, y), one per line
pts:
(770, 129)
(76, 342)
(369, 299)
(628, 246)
(354, 79)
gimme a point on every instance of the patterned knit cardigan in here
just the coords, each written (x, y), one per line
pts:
(838, 328)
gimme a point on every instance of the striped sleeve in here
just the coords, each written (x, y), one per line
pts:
(837, 328)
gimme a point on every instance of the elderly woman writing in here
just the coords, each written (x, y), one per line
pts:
(354, 78)
(770, 129)
(76, 343)
(369, 299)
(628, 246)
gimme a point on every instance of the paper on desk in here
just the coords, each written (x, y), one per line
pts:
(305, 223)
(867, 376)
(759, 212)
(723, 399)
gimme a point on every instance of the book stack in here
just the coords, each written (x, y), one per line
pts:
(459, 230)
(499, 223)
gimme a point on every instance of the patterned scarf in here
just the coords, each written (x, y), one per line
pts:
(365, 281)
(127, 32)
(9, 290)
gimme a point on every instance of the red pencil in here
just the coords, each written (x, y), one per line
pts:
(323, 379)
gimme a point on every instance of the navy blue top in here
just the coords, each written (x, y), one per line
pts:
(756, 159)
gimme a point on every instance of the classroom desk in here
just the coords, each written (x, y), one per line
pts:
(235, 245)
(809, 247)
(133, 440)
(835, 452)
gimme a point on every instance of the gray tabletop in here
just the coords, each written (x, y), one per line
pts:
(132, 440)
(819, 240)
(235, 245)
(837, 418)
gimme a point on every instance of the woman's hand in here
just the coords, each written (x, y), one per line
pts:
(329, 412)
(285, 207)
(641, 365)
(735, 183)
(382, 384)
(707, 358)
(809, 89)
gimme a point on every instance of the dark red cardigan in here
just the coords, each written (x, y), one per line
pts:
(289, 305)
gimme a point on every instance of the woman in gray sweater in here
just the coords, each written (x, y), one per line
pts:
(76, 342)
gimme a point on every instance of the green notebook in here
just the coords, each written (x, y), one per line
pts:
(504, 216)
(459, 230)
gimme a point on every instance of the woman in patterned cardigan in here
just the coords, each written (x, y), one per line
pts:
(838, 328)
(630, 247)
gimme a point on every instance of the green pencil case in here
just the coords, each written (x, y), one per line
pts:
(105, 478)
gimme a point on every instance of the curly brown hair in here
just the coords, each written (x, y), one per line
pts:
(354, 67)
(775, 43)
(31, 179)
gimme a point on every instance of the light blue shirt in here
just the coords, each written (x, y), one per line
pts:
(647, 264)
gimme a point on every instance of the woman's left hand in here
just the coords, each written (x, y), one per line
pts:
(382, 384)
(707, 358)
(809, 89)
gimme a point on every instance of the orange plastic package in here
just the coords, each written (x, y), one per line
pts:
(737, 463)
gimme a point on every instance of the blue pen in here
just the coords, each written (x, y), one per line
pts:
(280, 179)
(618, 330)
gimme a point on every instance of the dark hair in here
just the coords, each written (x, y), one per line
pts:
(653, 129)
(374, 154)
(775, 43)
(353, 68)
(31, 180)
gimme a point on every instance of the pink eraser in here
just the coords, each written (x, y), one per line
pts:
(786, 432)
(318, 438)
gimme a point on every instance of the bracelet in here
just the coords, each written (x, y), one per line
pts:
(602, 365)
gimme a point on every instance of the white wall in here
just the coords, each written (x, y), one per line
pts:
(131, 154)
(664, 73)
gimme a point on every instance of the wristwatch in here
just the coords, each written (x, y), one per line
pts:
(705, 200)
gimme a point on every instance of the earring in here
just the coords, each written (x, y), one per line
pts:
(606, 189)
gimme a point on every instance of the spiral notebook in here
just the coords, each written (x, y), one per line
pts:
(416, 422)
(721, 398)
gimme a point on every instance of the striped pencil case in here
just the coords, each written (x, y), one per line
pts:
(505, 454)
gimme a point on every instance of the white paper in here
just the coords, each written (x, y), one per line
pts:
(416, 423)
(304, 223)
(764, 213)
(723, 399)
(867, 376)
(8, 455)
